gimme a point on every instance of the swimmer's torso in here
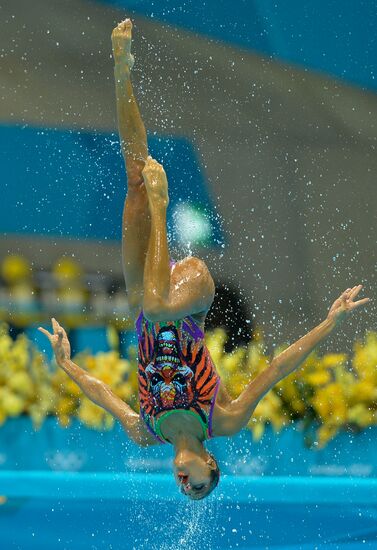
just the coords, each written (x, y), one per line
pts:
(175, 373)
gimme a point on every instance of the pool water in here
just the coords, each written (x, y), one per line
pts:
(48, 510)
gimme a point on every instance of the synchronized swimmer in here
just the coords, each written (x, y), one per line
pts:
(182, 398)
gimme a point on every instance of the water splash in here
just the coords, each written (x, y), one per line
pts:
(192, 526)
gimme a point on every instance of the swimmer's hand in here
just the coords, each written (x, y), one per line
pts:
(121, 41)
(345, 304)
(156, 183)
(59, 342)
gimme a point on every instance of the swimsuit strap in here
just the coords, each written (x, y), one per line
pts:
(138, 324)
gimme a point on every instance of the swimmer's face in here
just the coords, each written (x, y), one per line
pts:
(192, 474)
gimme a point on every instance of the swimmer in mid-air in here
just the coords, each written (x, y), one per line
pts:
(182, 399)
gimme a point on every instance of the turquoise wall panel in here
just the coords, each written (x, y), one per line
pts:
(334, 37)
(73, 184)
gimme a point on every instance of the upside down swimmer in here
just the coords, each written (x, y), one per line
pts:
(183, 401)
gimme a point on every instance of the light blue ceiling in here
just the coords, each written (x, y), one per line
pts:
(333, 36)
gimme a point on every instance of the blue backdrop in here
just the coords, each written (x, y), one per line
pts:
(73, 184)
(335, 37)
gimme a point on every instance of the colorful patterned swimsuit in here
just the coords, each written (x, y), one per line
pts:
(175, 373)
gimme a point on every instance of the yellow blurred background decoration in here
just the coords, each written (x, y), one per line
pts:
(329, 393)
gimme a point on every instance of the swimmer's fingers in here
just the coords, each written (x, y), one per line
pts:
(355, 291)
(352, 295)
(55, 325)
(59, 332)
(49, 336)
(58, 328)
(360, 302)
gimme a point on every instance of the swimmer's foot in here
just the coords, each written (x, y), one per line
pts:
(121, 40)
(156, 183)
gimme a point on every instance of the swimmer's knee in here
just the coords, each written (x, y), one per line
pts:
(197, 271)
(196, 265)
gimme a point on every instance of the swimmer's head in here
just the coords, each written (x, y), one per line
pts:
(196, 475)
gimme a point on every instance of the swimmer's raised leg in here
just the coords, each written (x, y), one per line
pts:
(136, 216)
(193, 289)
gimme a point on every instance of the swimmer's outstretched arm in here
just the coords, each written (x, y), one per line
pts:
(195, 291)
(241, 409)
(97, 391)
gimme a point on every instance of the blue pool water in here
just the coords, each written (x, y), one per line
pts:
(97, 511)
